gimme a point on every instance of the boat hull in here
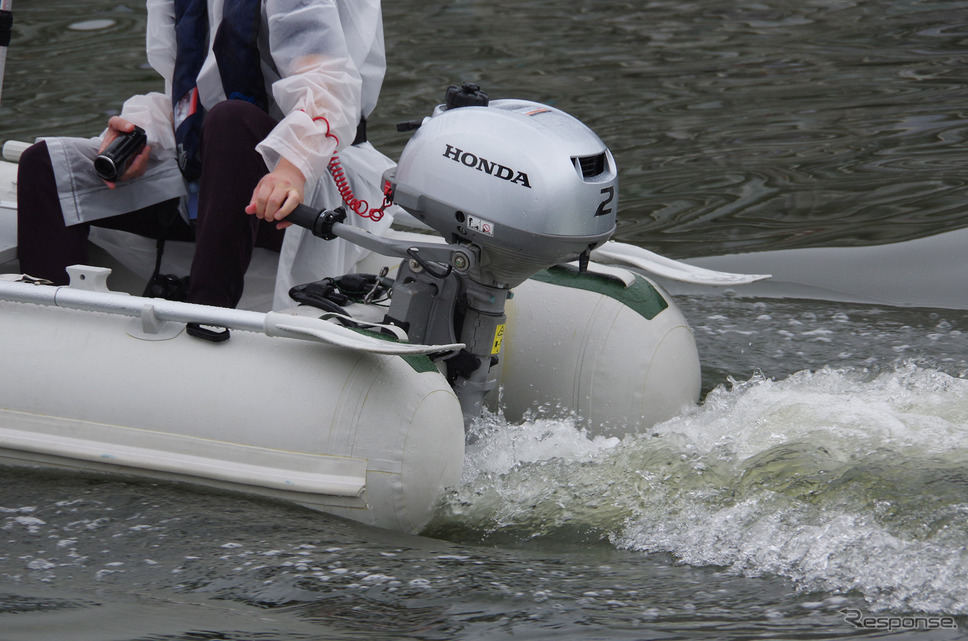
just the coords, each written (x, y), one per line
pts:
(612, 349)
(119, 387)
(367, 436)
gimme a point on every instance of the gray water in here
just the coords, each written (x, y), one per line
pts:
(825, 473)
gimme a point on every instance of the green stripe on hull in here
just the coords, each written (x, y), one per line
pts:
(420, 363)
(641, 296)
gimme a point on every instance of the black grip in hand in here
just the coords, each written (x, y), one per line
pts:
(304, 216)
(316, 221)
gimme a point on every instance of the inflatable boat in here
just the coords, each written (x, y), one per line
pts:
(356, 402)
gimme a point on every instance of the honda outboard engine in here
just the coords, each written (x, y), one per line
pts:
(527, 183)
(514, 187)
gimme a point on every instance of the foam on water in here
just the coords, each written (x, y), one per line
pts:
(842, 480)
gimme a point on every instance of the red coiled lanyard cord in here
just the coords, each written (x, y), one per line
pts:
(359, 206)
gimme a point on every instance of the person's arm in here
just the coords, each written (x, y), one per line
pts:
(278, 193)
(319, 93)
(152, 111)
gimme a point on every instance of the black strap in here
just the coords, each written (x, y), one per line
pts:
(191, 48)
(360, 132)
(209, 333)
(165, 285)
(6, 27)
(236, 50)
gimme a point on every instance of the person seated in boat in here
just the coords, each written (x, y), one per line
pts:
(259, 96)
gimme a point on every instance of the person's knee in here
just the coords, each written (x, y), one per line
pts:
(231, 131)
(232, 108)
(33, 159)
(35, 180)
(232, 117)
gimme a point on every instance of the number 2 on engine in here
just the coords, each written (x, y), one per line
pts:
(603, 208)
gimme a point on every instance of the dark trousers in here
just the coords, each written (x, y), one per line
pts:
(224, 234)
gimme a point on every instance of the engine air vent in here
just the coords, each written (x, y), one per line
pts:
(590, 166)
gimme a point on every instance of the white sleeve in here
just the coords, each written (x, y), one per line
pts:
(152, 112)
(319, 90)
(160, 39)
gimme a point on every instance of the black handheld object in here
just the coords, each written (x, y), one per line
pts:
(116, 158)
(316, 221)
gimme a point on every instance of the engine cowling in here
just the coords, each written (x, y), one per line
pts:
(527, 183)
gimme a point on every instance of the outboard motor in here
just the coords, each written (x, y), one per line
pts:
(514, 187)
(526, 183)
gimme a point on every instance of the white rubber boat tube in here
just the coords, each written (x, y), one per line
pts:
(608, 345)
(368, 436)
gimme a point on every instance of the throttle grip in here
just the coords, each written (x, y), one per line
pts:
(320, 223)
(304, 216)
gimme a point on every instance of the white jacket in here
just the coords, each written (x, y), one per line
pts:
(327, 61)
(326, 69)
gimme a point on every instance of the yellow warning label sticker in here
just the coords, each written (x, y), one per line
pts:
(498, 339)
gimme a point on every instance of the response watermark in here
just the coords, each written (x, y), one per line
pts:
(921, 622)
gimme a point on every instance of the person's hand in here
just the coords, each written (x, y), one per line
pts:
(277, 194)
(117, 126)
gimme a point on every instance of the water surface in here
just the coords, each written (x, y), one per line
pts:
(824, 473)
